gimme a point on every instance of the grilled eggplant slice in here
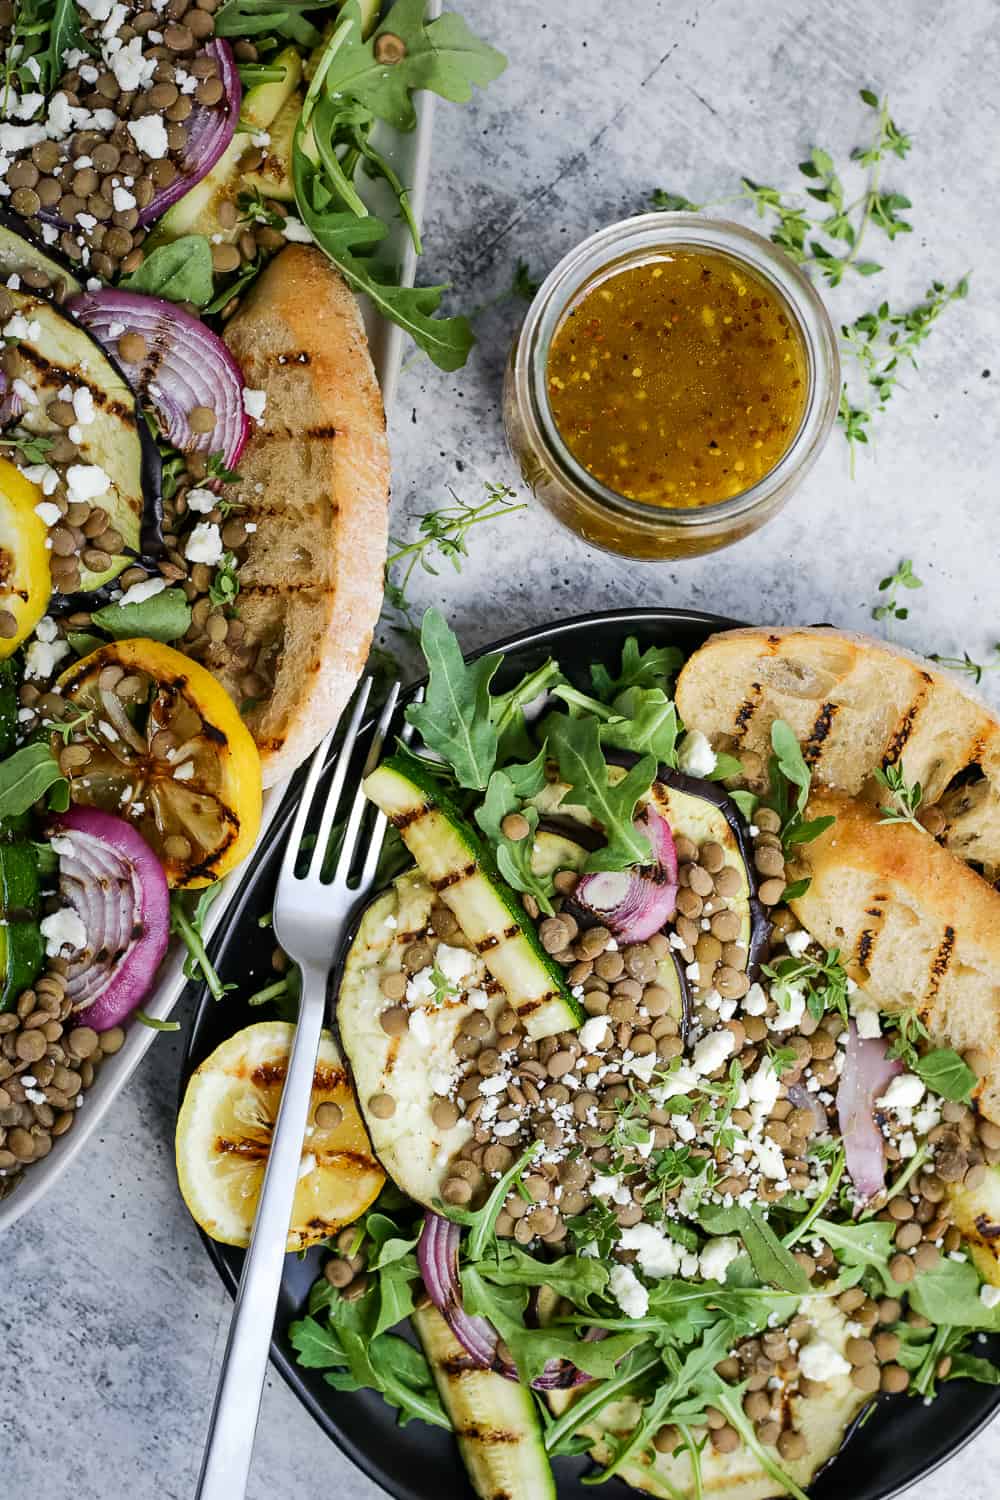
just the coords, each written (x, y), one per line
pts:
(56, 352)
(20, 251)
(495, 1420)
(457, 864)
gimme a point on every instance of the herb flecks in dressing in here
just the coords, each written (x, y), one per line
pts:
(678, 382)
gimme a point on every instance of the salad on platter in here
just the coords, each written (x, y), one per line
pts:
(686, 1165)
(194, 468)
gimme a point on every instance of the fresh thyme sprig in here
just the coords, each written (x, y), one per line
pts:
(877, 345)
(32, 446)
(965, 663)
(225, 586)
(905, 799)
(442, 536)
(903, 578)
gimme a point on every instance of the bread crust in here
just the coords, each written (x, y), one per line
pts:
(315, 483)
(856, 704)
(916, 928)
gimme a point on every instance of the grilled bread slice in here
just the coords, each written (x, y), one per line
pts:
(315, 483)
(856, 704)
(915, 927)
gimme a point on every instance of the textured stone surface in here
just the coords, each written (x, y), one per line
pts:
(112, 1318)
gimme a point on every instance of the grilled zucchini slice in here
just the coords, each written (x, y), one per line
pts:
(460, 869)
(495, 1420)
(56, 352)
(20, 251)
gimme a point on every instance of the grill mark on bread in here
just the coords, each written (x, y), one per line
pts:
(323, 432)
(865, 946)
(815, 741)
(941, 961)
(904, 727)
(745, 713)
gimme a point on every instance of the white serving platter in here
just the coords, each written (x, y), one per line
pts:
(409, 155)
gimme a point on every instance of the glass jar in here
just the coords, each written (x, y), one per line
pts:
(599, 515)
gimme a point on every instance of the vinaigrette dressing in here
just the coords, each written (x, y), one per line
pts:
(680, 381)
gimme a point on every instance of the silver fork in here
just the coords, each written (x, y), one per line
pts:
(310, 920)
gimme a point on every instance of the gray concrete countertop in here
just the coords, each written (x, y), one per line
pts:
(111, 1316)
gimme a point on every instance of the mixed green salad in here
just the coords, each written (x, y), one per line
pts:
(666, 1187)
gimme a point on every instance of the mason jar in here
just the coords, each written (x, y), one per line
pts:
(583, 503)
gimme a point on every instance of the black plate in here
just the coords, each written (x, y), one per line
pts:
(901, 1443)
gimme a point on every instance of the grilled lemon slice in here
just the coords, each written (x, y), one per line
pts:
(160, 742)
(224, 1136)
(25, 584)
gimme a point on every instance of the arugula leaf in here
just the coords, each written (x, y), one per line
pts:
(507, 711)
(513, 856)
(578, 1277)
(454, 718)
(387, 1364)
(481, 1222)
(648, 725)
(868, 1245)
(771, 1261)
(442, 55)
(316, 1346)
(651, 668)
(65, 35)
(950, 1294)
(577, 747)
(790, 762)
(179, 272)
(287, 18)
(27, 775)
(945, 1073)
(163, 617)
(969, 1367)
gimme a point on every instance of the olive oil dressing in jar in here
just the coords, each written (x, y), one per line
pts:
(675, 378)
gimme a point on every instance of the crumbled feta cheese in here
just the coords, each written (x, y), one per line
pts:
(989, 1296)
(494, 1085)
(593, 1032)
(695, 756)
(505, 1127)
(641, 1067)
(797, 942)
(711, 1052)
(755, 1001)
(658, 1254)
(420, 986)
(63, 929)
(254, 403)
(294, 229)
(23, 389)
(904, 1091)
(150, 136)
(86, 482)
(121, 198)
(147, 588)
(769, 1159)
(478, 999)
(48, 512)
(420, 1027)
(42, 657)
(201, 500)
(132, 69)
(204, 544)
(789, 1016)
(764, 1086)
(83, 406)
(717, 1255)
(184, 771)
(907, 1145)
(455, 964)
(819, 1360)
(629, 1292)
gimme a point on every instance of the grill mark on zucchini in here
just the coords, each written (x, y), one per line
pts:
(406, 819)
(477, 1434)
(815, 741)
(454, 877)
(60, 375)
(483, 945)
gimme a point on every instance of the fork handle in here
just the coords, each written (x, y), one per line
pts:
(229, 1450)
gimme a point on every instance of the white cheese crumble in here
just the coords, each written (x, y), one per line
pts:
(455, 964)
(658, 1254)
(48, 512)
(819, 1360)
(629, 1292)
(147, 588)
(755, 1001)
(593, 1032)
(86, 482)
(42, 657)
(202, 501)
(420, 986)
(62, 929)
(717, 1255)
(204, 544)
(989, 1296)
(294, 229)
(254, 403)
(695, 756)
(789, 1016)
(711, 1052)
(904, 1091)
(150, 135)
(797, 942)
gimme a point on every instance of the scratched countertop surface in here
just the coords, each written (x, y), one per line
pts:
(112, 1319)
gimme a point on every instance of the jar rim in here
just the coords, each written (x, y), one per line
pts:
(625, 240)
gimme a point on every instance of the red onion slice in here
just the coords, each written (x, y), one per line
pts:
(185, 365)
(866, 1075)
(11, 404)
(634, 904)
(114, 882)
(656, 828)
(437, 1256)
(209, 132)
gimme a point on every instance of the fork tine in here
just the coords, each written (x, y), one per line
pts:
(357, 811)
(379, 825)
(337, 784)
(302, 811)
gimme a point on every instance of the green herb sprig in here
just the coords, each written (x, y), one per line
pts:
(903, 578)
(904, 799)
